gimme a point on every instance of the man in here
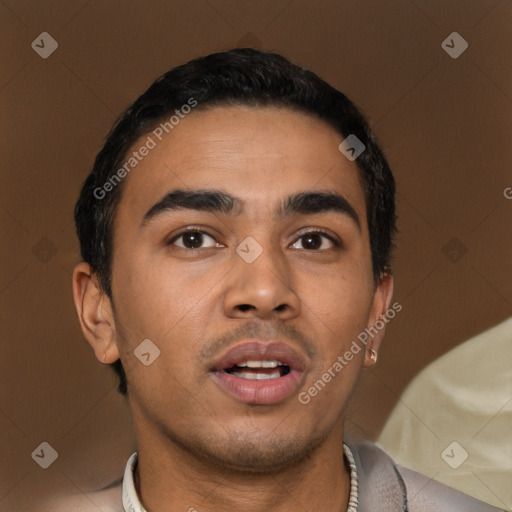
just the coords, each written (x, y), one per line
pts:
(236, 233)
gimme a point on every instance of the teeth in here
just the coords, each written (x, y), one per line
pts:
(257, 376)
(271, 363)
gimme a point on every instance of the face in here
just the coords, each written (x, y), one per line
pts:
(251, 291)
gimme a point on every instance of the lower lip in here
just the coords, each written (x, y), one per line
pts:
(260, 392)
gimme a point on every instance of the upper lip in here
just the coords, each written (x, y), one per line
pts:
(258, 350)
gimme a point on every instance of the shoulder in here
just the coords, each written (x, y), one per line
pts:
(386, 485)
(426, 494)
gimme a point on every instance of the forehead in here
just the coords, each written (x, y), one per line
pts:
(260, 154)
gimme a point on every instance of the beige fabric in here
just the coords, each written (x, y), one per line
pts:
(464, 397)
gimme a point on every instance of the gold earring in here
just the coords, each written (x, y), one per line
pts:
(373, 355)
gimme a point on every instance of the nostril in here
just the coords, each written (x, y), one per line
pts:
(245, 307)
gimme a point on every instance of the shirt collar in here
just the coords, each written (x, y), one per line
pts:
(131, 502)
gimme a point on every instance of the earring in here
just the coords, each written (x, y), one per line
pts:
(373, 355)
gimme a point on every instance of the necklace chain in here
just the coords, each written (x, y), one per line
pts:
(353, 499)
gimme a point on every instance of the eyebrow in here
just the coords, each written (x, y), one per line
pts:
(216, 201)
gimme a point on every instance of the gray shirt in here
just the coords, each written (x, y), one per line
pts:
(383, 487)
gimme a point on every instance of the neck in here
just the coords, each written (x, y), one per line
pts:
(169, 478)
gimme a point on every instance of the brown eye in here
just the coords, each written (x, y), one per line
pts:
(193, 239)
(314, 241)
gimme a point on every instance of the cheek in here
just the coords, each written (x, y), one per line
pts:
(337, 307)
(339, 298)
(337, 311)
(155, 296)
(171, 308)
(163, 306)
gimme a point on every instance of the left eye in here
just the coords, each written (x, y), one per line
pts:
(314, 241)
(194, 239)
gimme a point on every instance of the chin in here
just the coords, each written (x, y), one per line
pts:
(255, 452)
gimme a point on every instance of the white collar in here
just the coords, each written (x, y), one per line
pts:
(131, 502)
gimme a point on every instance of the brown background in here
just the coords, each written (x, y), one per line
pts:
(444, 123)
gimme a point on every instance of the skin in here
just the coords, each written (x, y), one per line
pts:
(198, 446)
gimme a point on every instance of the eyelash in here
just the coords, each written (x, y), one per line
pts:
(310, 231)
(318, 231)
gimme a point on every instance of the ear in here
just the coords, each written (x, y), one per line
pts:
(95, 314)
(378, 319)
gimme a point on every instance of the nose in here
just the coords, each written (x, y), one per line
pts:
(261, 289)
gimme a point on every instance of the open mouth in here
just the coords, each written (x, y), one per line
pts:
(259, 370)
(259, 373)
